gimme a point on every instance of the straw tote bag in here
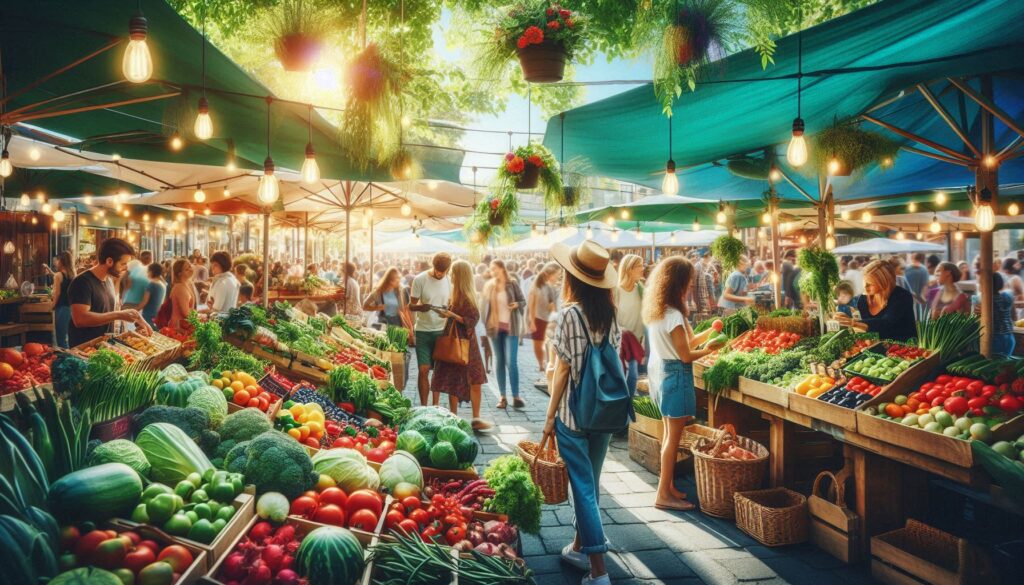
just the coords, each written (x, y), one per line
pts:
(451, 347)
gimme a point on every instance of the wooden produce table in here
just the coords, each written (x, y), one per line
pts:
(890, 480)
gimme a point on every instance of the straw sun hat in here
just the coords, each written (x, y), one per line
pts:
(588, 262)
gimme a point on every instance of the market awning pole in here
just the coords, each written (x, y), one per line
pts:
(348, 231)
(986, 178)
(266, 258)
(822, 197)
(371, 251)
(305, 240)
(231, 235)
(773, 210)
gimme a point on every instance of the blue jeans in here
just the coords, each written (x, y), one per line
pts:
(584, 454)
(632, 371)
(506, 358)
(1003, 343)
(61, 322)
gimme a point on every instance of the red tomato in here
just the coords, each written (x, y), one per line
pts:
(955, 405)
(408, 526)
(393, 518)
(139, 558)
(364, 520)
(312, 494)
(377, 455)
(330, 514)
(150, 544)
(334, 495)
(453, 519)
(420, 516)
(177, 556)
(364, 500)
(387, 446)
(303, 506)
(344, 442)
(454, 535)
(1010, 403)
(411, 503)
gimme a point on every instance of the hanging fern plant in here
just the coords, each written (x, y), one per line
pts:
(298, 30)
(843, 149)
(372, 118)
(728, 251)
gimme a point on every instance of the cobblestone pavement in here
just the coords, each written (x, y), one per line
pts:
(650, 546)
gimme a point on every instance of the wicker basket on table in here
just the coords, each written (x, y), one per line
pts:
(774, 517)
(547, 470)
(718, 478)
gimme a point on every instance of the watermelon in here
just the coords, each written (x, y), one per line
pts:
(442, 456)
(86, 576)
(330, 555)
(95, 493)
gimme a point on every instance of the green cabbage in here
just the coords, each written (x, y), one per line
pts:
(175, 373)
(121, 451)
(171, 454)
(401, 466)
(415, 443)
(442, 456)
(212, 401)
(348, 468)
(465, 445)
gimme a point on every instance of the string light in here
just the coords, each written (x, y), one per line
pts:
(844, 214)
(127, 213)
(912, 207)
(774, 174)
(6, 168)
(35, 220)
(204, 124)
(191, 213)
(1013, 209)
(670, 183)
(696, 225)
(102, 213)
(269, 190)
(176, 142)
(58, 215)
(866, 217)
(672, 238)
(934, 227)
(34, 153)
(766, 218)
(919, 235)
(406, 209)
(959, 235)
(990, 161)
(615, 235)
(624, 214)
(830, 242)
(25, 201)
(207, 210)
(900, 236)
(46, 208)
(590, 233)
(834, 166)
(984, 217)
(87, 199)
(145, 217)
(610, 221)
(137, 63)
(310, 170)
(940, 197)
(720, 217)
(199, 196)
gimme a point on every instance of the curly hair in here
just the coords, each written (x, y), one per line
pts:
(667, 287)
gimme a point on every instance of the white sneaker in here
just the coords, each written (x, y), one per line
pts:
(602, 580)
(575, 558)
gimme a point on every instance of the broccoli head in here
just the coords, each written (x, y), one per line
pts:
(235, 459)
(208, 441)
(276, 462)
(240, 426)
(191, 420)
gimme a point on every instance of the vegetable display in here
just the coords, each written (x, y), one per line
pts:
(330, 555)
(172, 455)
(121, 451)
(515, 493)
(95, 493)
(644, 406)
(274, 462)
(950, 334)
(819, 278)
(348, 468)
(94, 557)
(429, 444)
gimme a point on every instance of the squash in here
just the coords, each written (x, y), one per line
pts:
(95, 493)
(173, 393)
(331, 555)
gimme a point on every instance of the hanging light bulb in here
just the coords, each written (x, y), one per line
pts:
(990, 161)
(672, 238)
(406, 120)
(624, 214)
(310, 170)
(204, 124)
(844, 214)
(406, 209)
(830, 242)
(118, 207)
(866, 217)
(34, 153)
(87, 199)
(46, 208)
(774, 174)
(101, 213)
(35, 220)
(533, 230)
(670, 183)
(1013, 209)
(940, 197)
(958, 235)
(227, 192)
(145, 217)
(834, 166)
(615, 235)
(900, 235)
(9, 247)
(176, 142)
(934, 227)
(696, 225)
(25, 201)
(364, 222)
(191, 214)
(919, 235)
(126, 213)
(886, 162)
(912, 207)
(269, 189)
(207, 211)
(6, 168)
(984, 217)
(803, 239)
(369, 211)
(137, 64)
(58, 215)
(766, 218)
(720, 217)
(796, 153)
(610, 220)
(199, 196)
(160, 222)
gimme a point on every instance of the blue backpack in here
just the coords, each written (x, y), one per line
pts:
(601, 401)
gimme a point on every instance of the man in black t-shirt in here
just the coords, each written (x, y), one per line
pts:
(93, 298)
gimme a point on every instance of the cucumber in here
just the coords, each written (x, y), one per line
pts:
(95, 493)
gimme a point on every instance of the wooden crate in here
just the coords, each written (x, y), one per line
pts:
(430, 473)
(245, 509)
(823, 411)
(767, 392)
(9, 402)
(194, 572)
(834, 528)
(919, 554)
(646, 451)
(649, 426)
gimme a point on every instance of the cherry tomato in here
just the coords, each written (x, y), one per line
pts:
(408, 526)
(420, 516)
(394, 518)
(411, 503)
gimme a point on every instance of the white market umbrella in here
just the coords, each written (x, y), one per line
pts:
(414, 245)
(888, 246)
(685, 238)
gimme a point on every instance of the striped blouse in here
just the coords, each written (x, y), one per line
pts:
(570, 343)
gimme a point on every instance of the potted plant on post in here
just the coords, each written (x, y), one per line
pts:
(298, 35)
(542, 35)
(842, 149)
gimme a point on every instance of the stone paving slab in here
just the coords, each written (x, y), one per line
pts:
(649, 546)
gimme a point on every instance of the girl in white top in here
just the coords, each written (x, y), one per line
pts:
(628, 297)
(673, 349)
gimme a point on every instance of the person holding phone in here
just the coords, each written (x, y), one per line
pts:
(503, 320)
(429, 288)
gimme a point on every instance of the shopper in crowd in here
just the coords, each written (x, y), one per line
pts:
(156, 291)
(503, 312)
(430, 288)
(241, 272)
(182, 295)
(542, 302)
(898, 269)
(92, 295)
(387, 299)
(854, 276)
(223, 294)
(791, 281)
(734, 291)
(1003, 341)
(965, 270)
(462, 382)
(353, 305)
(846, 301)
(1011, 277)
(884, 308)
(949, 298)
(674, 348)
(917, 279)
(61, 302)
(628, 297)
(704, 299)
(200, 269)
(588, 317)
(136, 281)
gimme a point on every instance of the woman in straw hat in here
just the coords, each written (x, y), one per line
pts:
(673, 350)
(589, 279)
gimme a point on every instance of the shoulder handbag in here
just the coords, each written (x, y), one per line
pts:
(163, 315)
(452, 348)
(601, 401)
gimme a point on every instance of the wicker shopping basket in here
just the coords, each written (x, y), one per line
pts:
(774, 517)
(547, 469)
(695, 432)
(718, 478)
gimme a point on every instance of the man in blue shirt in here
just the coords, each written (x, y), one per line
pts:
(917, 279)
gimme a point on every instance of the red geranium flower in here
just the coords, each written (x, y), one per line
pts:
(515, 165)
(550, 11)
(536, 161)
(569, 23)
(564, 13)
(509, 156)
(533, 35)
(494, 203)
(554, 25)
(522, 42)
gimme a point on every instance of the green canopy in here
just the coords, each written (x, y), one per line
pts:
(62, 184)
(850, 64)
(40, 37)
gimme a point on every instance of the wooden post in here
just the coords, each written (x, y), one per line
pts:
(266, 258)
(776, 276)
(305, 241)
(986, 178)
(231, 235)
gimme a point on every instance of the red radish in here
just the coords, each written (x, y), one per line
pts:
(234, 566)
(272, 555)
(260, 531)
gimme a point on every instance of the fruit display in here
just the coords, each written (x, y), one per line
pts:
(266, 554)
(138, 343)
(851, 395)
(23, 369)
(243, 389)
(197, 508)
(879, 367)
(859, 345)
(907, 352)
(814, 385)
(302, 422)
(772, 342)
(128, 354)
(129, 556)
(360, 509)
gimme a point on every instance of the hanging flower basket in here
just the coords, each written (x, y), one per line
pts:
(544, 62)
(495, 218)
(297, 51)
(843, 149)
(698, 26)
(529, 178)
(570, 197)
(532, 167)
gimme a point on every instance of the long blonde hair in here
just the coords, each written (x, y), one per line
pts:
(628, 262)
(379, 289)
(883, 275)
(463, 284)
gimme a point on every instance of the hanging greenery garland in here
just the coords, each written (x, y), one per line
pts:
(819, 277)
(371, 121)
(728, 251)
(843, 149)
